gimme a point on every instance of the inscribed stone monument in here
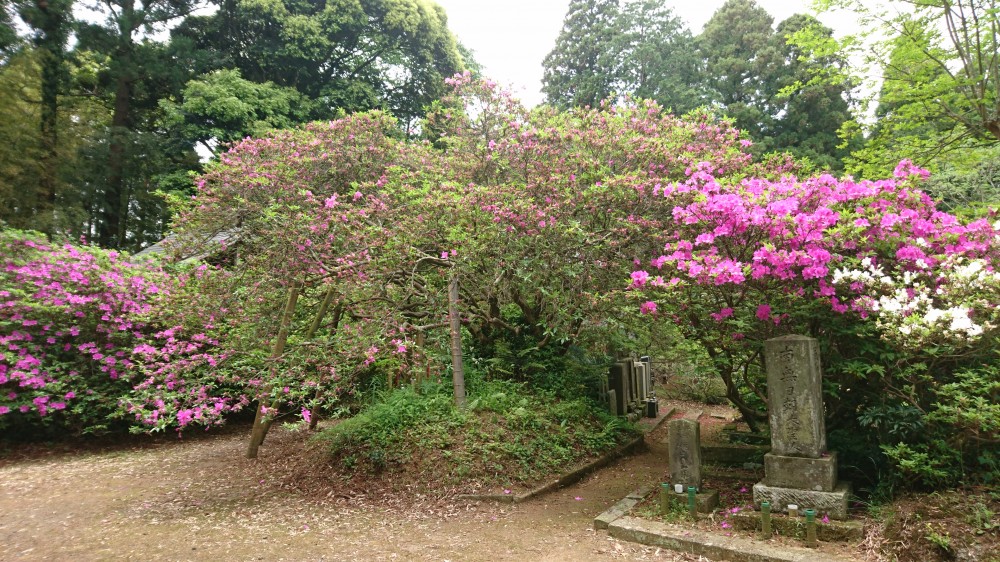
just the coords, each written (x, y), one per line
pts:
(684, 439)
(798, 470)
(795, 396)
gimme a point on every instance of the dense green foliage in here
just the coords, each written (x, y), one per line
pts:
(740, 66)
(104, 113)
(340, 55)
(931, 69)
(509, 434)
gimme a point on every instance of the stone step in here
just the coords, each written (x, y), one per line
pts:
(710, 545)
(621, 508)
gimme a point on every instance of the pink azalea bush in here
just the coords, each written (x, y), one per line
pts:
(871, 268)
(66, 329)
(69, 320)
(87, 347)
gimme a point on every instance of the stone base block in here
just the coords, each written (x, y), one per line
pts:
(818, 475)
(833, 504)
(705, 501)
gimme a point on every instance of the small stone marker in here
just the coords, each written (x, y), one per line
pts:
(619, 386)
(645, 360)
(684, 438)
(640, 371)
(633, 381)
(684, 443)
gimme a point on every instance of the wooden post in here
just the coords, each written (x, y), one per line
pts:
(458, 373)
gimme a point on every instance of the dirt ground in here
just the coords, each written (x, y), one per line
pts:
(199, 499)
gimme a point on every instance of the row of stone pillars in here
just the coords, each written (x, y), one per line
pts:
(629, 388)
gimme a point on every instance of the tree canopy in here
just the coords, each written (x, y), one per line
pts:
(740, 66)
(341, 55)
(936, 92)
(118, 110)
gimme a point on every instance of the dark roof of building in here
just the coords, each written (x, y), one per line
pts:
(188, 247)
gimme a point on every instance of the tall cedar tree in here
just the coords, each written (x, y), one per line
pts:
(740, 58)
(136, 70)
(657, 58)
(809, 115)
(579, 71)
(51, 23)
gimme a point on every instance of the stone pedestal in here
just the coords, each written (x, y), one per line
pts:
(818, 475)
(798, 470)
(705, 502)
(833, 504)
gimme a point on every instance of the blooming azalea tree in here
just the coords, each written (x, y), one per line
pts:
(751, 259)
(66, 331)
(309, 211)
(554, 202)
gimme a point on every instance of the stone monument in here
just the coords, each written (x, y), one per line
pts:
(633, 378)
(798, 470)
(640, 375)
(684, 446)
(619, 383)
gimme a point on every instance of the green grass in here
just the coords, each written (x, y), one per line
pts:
(507, 435)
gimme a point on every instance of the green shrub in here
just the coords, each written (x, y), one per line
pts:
(506, 434)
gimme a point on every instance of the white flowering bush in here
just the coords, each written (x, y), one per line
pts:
(952, 303)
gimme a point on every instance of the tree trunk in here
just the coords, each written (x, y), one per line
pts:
(338, 313)
(52, 22)
(751, 416)
(114, 225)
(50, 141)
(261, 423)
(458, 372)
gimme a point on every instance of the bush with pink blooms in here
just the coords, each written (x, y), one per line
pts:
(903, 298)
(85, 347)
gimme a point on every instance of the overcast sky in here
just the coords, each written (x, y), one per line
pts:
(511, 37)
